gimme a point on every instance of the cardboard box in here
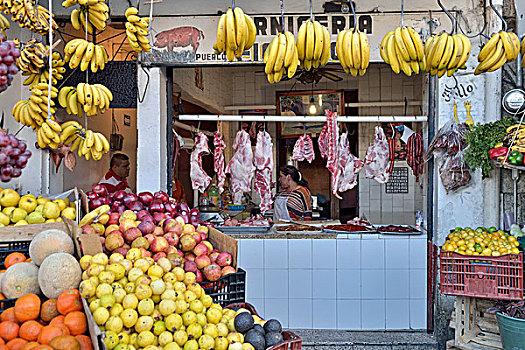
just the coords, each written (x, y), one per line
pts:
(224, 243)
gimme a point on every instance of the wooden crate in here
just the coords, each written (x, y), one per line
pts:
(475, 328)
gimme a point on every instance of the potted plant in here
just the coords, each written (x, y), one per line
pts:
(511, 323)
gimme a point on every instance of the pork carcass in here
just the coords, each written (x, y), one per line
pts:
(322, 141)
(240, 167)
(332, 138)
(377, 158)
(349, 165)
(199, 179)
(304, 149)
(264, 167)
(218, 160)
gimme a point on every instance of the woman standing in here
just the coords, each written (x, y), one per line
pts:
(294, 202)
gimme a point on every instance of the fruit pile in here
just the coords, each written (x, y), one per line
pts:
(142, 303)
(27, 209)
(8, 68)
(280, 57)
(446, 53)
(235, 33)
(313, 45)
(54, 324)
(481, 241)
(403, 50)
(35, 17)
(183, 244)
(13, 156)
(502, 47)
(50, 251)
(258, 333)
(92, 13)
(137, 30)
(353, 51)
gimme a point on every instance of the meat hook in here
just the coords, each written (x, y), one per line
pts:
(452, 19)
(499, 15)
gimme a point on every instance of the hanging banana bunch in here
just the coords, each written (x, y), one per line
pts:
(313, 45)
(4, 24)
(281, 57)
(403, 50)
(93, 98)
(79, 52)
(353, 51)
(48, 135)
(235, 33)
(97, 12)
(90, 144)
(34, 63)
(446, 53)
(137, 31)
(502, 47)
(33, 17)
(67, 98)
(523, 52)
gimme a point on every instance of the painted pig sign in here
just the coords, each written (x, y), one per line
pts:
(189, 40)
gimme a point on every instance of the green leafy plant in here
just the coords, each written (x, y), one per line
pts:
(481, 140)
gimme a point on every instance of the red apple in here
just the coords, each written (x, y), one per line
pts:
(125, 224)
(129, 198)
(180, 220)
(103, 241)
(87, 229)
(159, 255)
(158, 231)
(157, 206)
(135, 206)
(187, 243)
(204, 236)
(227, 270)
(162, 196)
(180, 252)
(197, 236)
(212, 272)
(146, 198)
(110, 229)
(140, 242)
(122, 250)
(150, 237)
(107, 233)
(121, 209)
(119, 196)
(145, 253)
(172, 249)
(171, 207)
(201, 249)
(159, 244)
(224, 259)
(189, 257)
(113, 219)
(168, 223)
(91, 195)
(100, 190)
(158, 217)
(172, 238)
(115, 206)
(95, 203)
(142, 214)
(213, 256)
(114, 241)
(190, 266)
(175, 260)
(198, 276)
(146, 227)
(131, 234)
(208, 244)
(203, 229)
(202, 261)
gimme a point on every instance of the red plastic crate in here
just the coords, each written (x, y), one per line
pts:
(488, 277)
(291, 340)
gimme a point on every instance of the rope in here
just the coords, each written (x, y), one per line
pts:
(311, 11)
(403, 11)
(150, 20)
(282, 15)
(50, 59)
(353, 13)
(87, 71)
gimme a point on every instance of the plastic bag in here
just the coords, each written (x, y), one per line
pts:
(454, 172)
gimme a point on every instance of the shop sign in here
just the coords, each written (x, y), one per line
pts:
(398, 181)
(189, 40)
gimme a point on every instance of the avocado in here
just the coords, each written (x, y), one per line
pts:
(273, 338)
(259, 329)
(243, 322)
(256, 339)
(272, 326)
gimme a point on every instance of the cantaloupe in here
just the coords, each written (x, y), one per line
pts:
(58, 273)
(49, 242)
(20, 279)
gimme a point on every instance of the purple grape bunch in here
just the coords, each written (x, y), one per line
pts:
(14, 156)
(8, 68)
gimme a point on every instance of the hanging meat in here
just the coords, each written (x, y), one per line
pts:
(322, 141)
(199, 179)
(415, 154)
(241, 166)
(218, 160)
(304, 149)
(332, 163)
(349, 165)
(377, 158)
(264, 167)
(391, 154)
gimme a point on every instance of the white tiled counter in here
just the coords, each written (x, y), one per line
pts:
(352, 282)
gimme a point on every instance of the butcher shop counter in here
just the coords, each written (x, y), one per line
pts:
(316, 280)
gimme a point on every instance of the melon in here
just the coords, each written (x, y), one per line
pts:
(49, 242)
(58, 273)
(20, 279)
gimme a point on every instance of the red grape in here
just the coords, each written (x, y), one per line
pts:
(16, 172)
(7, 170)
(8, 59)
(5, 178)
(22, 145)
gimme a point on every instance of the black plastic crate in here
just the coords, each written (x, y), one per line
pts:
(7, 248)
(6, 304)
(229, 289)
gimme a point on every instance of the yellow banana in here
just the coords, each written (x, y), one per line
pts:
(231, 40)
(327, 47)
(301, 41)
(400, 45)
(488, 47)
(221, 33)
(310, 40)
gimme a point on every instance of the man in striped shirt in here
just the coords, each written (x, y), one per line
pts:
(115, 178)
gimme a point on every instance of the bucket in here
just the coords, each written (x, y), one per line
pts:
(512, 331)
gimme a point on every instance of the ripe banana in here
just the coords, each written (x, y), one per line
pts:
(92, 99)
(28, 15)
(96, 11)
(236, 33)
(502, 47)
(137, 31)
(353, 50)
(403, 50)
(281, 57)
(80, 52)
(313, 45)
(445, 54)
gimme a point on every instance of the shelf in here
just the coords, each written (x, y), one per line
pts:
(509, 166)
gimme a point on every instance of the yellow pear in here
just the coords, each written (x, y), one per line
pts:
(35, 218)
(8, 210)
(28, 203)
(39, 208)
(51, 210)
(21, 222)
(69, 213)
(50, 221)
(4, 219)
(9, 198)
(61, 204)
(18, 214)
(42, 200)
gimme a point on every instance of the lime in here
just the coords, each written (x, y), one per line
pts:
(492, 229)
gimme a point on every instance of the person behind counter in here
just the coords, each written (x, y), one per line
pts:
(295, 201)
(115, 178)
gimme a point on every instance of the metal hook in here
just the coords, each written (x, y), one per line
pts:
(499, 15)
(282, 15)
(353, 13)
(452, 19)
(233, 4)
(402, 11)
(311, 11)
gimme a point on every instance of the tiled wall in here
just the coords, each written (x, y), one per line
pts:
(352, 283)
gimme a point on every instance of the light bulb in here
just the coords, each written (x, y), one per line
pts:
(312, 109)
